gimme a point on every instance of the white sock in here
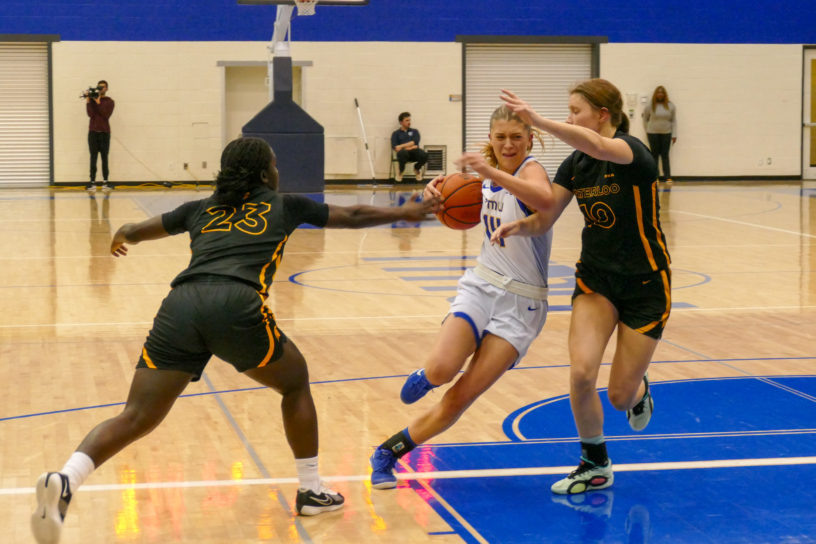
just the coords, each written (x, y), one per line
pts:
(595, 440)
(308, 474)
(78, 468)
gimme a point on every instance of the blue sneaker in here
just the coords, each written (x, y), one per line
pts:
(415, 387)
(382, 465)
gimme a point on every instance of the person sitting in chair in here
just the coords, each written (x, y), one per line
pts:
(405, 143)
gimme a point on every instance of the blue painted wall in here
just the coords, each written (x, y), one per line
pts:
(666, 21)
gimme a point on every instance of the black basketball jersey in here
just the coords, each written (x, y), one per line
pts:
(621, 212)
(244, 242)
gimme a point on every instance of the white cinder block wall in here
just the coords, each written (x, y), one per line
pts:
(738, 105)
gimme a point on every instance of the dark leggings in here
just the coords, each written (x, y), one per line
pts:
(660, 144)
(99, 144)
(420, 156)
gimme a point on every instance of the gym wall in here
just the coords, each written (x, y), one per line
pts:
(736, 81)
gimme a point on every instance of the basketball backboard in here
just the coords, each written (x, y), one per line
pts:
(293, 2)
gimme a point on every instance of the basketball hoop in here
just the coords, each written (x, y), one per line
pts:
(306, 7)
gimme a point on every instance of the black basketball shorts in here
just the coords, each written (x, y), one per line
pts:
(210, 316)
(643, 301)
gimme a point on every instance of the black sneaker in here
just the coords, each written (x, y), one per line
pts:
(641, 413)
(53, 496)
(309, 503)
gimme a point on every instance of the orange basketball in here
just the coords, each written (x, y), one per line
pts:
(462, 201)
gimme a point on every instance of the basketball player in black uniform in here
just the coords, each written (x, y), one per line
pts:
(623, 279)
(216, 307)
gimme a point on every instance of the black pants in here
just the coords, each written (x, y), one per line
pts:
(419, 156)
(99, 144)
(660, 144)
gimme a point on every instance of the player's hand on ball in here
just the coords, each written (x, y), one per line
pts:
(417, 208)
(431, 191)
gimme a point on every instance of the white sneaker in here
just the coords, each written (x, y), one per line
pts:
(90, 188)
(106, 188)
(398, 177)
(418, 174)
(587, 477)
(53, 496)
(641, 413)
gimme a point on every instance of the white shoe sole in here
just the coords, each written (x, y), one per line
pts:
(566, 486)
(46, 522)
(384, 485)
(315, 510)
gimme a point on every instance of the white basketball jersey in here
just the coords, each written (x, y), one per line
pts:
(522, 258)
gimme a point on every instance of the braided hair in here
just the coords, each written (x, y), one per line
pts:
(242, 163)
(504, 113)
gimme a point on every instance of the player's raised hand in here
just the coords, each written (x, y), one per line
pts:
(519, 106)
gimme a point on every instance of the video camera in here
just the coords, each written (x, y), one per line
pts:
(92, 92)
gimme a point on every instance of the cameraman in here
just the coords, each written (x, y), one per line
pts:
(99, 108)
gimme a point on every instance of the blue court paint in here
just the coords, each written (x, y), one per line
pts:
(561, 279)
(706, 419)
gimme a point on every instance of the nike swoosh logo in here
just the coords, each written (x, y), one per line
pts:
(645, 282)
(325, 502)
(532, 309)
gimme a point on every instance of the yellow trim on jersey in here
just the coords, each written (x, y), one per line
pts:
(641, 230)
(664, 276)
(273, 334)
(148, 361)
(658, 233)
(583, 286)
(276, 258)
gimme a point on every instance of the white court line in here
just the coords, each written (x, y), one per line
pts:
(745, 223)
(449, 474)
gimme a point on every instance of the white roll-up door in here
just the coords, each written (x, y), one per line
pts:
(541, 74)
(25, 155)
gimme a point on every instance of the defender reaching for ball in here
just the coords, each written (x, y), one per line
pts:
(216, 307)
(500, 305)
(622, 280)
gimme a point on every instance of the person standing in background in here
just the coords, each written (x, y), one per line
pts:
(661, 128)
(99, 108)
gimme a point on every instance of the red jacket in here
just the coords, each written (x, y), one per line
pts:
(99, 114)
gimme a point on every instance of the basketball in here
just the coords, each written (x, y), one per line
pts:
(462, 201)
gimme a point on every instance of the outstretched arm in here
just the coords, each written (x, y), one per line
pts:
(532, 185)
(581, 138)
(355, 217)
(133, 233)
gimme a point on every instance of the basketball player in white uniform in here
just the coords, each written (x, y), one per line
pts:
(500, 305)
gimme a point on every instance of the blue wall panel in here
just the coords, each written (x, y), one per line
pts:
(670, 21)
